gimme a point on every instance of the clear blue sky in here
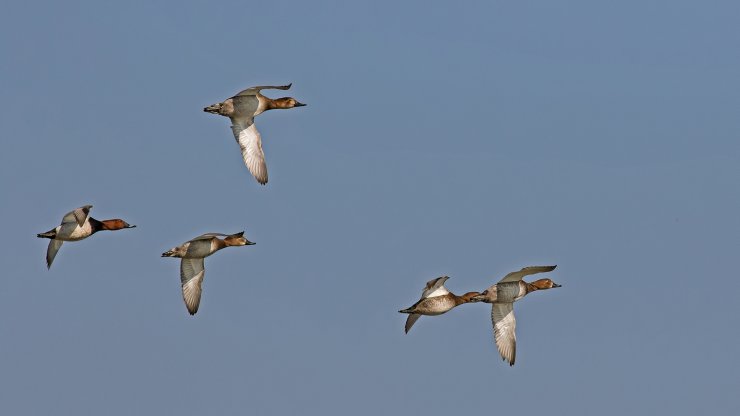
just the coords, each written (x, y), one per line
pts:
(466, 140)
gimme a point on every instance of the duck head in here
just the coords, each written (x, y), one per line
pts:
(115, 224)
(285, 103)
(543, 284)
(237, 240)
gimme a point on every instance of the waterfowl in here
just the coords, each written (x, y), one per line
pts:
(435, 300)
(192, 268)
(502, 296)
(77, 225)
(242, 109)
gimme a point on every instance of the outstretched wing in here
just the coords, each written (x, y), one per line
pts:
(51, 251)
(250, 142)
(504, 330)
(78, 215)
(255, 90)
(208, 236)
(191, 276)
(411, 320)
(519, 275)
(435, 287)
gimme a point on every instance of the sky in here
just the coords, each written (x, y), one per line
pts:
(439, 138)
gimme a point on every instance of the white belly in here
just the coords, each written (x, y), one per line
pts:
(77, 233)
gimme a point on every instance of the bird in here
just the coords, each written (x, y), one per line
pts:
(192, 268)
(242, 109)
(502, 296)
(77, 225)
(435, 300)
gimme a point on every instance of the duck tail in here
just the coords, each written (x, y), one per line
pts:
(49, 234)
(213, 108)
(407, 310)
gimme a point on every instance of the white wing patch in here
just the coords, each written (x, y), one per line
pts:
(504, 330)
(191, 276)
(250, 142)
(440, 291)
(431, 287)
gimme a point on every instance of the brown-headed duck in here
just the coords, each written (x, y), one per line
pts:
(242, 109)
(192, 268)
(502, 296)
(435, 300)
(77, 225)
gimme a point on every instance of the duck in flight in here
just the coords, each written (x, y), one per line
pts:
(502, 296)
(242, 109)
(435, 300)
(192, 268)
(77, 225)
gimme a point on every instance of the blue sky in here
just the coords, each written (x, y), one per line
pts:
(439, 139)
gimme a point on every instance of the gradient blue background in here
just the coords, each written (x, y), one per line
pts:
(462, 139)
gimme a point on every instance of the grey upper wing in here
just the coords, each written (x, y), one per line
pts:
(208, 236)
(51, 251)
(255, 90)
(78, 215)
(519, 275)
(191, 276)
(504, 330)
(410, 321)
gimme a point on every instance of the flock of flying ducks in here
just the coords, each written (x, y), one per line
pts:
(241, 109)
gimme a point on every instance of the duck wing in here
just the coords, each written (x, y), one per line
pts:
(435, 287)
(51, 251)
(519, 275)
(208, 236)
(504, 330)
(250, 142)
(191, 276)
(256, 90)
(78, 216)
(410, 321)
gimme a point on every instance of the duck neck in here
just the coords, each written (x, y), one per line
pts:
(220, 244)
(459, 300)
(278, 103)
(96, 225)
(530, 287)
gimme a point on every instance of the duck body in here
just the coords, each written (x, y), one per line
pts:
(506, 292)
(435, 300)
(436, 305)
(192, 265)
(77, 225)
(241, 109)
(197, 248)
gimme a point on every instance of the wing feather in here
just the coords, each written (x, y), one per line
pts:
(256, 90)
(519, 275)
(411, 320)
(435, 287)
(250, 142)
(191, 276)
(51, 251)
(504, 330)
(78, 215)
